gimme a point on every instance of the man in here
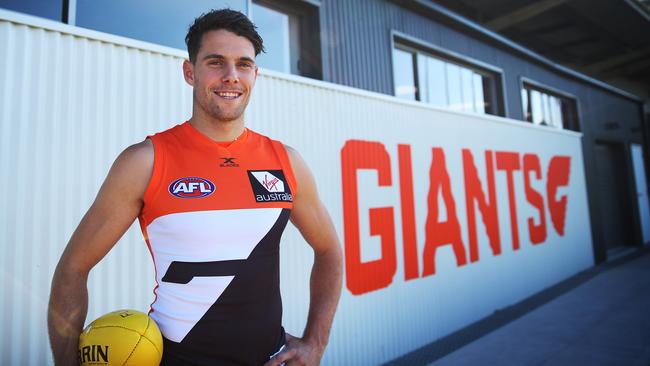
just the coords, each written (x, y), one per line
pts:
(212, 198)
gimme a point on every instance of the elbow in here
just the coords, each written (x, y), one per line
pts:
(330, 258)
(331, 252)
(67, 274)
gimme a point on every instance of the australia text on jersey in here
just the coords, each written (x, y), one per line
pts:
(269, 186)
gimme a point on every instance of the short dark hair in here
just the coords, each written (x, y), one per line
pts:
(228, 19)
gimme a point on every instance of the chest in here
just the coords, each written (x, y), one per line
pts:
(219, 179)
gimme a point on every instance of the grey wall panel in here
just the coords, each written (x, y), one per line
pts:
(362, 59)
(360, 43)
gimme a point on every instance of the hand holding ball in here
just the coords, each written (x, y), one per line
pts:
(121, 338)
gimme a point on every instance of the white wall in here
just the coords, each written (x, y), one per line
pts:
(72, 99)
(641, 191)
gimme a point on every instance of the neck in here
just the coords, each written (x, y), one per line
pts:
(218, 130)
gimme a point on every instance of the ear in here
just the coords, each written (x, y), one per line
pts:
(188, 72)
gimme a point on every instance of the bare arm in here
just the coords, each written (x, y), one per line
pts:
(311, 218)
(116, 206)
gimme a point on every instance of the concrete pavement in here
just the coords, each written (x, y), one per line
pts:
(599, 317)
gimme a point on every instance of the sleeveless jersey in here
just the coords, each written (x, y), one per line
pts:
(212, 218)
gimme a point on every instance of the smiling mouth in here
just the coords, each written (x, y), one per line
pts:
(228, 94)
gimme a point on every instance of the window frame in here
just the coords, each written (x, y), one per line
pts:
(572, 125)
(69, 12)
(497, 88)
(307, 14)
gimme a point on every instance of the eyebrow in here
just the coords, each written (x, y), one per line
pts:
(222, 57)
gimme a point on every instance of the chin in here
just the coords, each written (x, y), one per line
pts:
(226, 117)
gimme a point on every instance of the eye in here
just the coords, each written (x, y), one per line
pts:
(215, 63)
(245, 65)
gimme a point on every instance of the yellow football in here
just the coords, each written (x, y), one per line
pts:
(124, 338)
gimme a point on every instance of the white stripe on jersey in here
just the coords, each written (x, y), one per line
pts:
(200, 236)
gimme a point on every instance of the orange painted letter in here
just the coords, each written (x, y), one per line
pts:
(509, 162)
(558, 173)
(441, 233)
(409, 237)
(373, 275)
(537, 232)
(489, 213)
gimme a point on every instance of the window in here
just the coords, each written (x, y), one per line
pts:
(403, 63)
(290, 28)
(279, 37)
(158, 21)
(546, 107)
(51, 9)
(291, 33)
(447, 81)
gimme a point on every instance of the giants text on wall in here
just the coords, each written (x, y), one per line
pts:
(363, 277)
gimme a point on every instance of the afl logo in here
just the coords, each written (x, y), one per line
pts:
(191, 187)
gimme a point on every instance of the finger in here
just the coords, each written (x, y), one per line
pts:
(281, 357)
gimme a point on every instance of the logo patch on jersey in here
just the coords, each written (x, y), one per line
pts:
(191, 187)
(228, 163)
(270, 186)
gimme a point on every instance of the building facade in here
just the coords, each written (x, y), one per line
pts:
(463, 171)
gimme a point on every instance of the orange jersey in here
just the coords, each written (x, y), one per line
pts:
(213, 216)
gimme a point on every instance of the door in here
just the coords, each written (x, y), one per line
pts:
(617, 222)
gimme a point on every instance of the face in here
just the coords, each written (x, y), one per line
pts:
(223, 75)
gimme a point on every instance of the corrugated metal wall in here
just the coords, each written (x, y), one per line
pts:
(69, 105)
(72, 100)
(358, 41)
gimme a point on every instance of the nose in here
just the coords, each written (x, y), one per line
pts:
(230, 75)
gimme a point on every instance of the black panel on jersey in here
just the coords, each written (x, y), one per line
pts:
(183, 272)
(245, 324)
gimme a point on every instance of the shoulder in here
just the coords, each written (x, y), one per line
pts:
(144, 147)
(291, 151)
(140, 154)
(301, 171)
(133, 168)
(294, 158)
